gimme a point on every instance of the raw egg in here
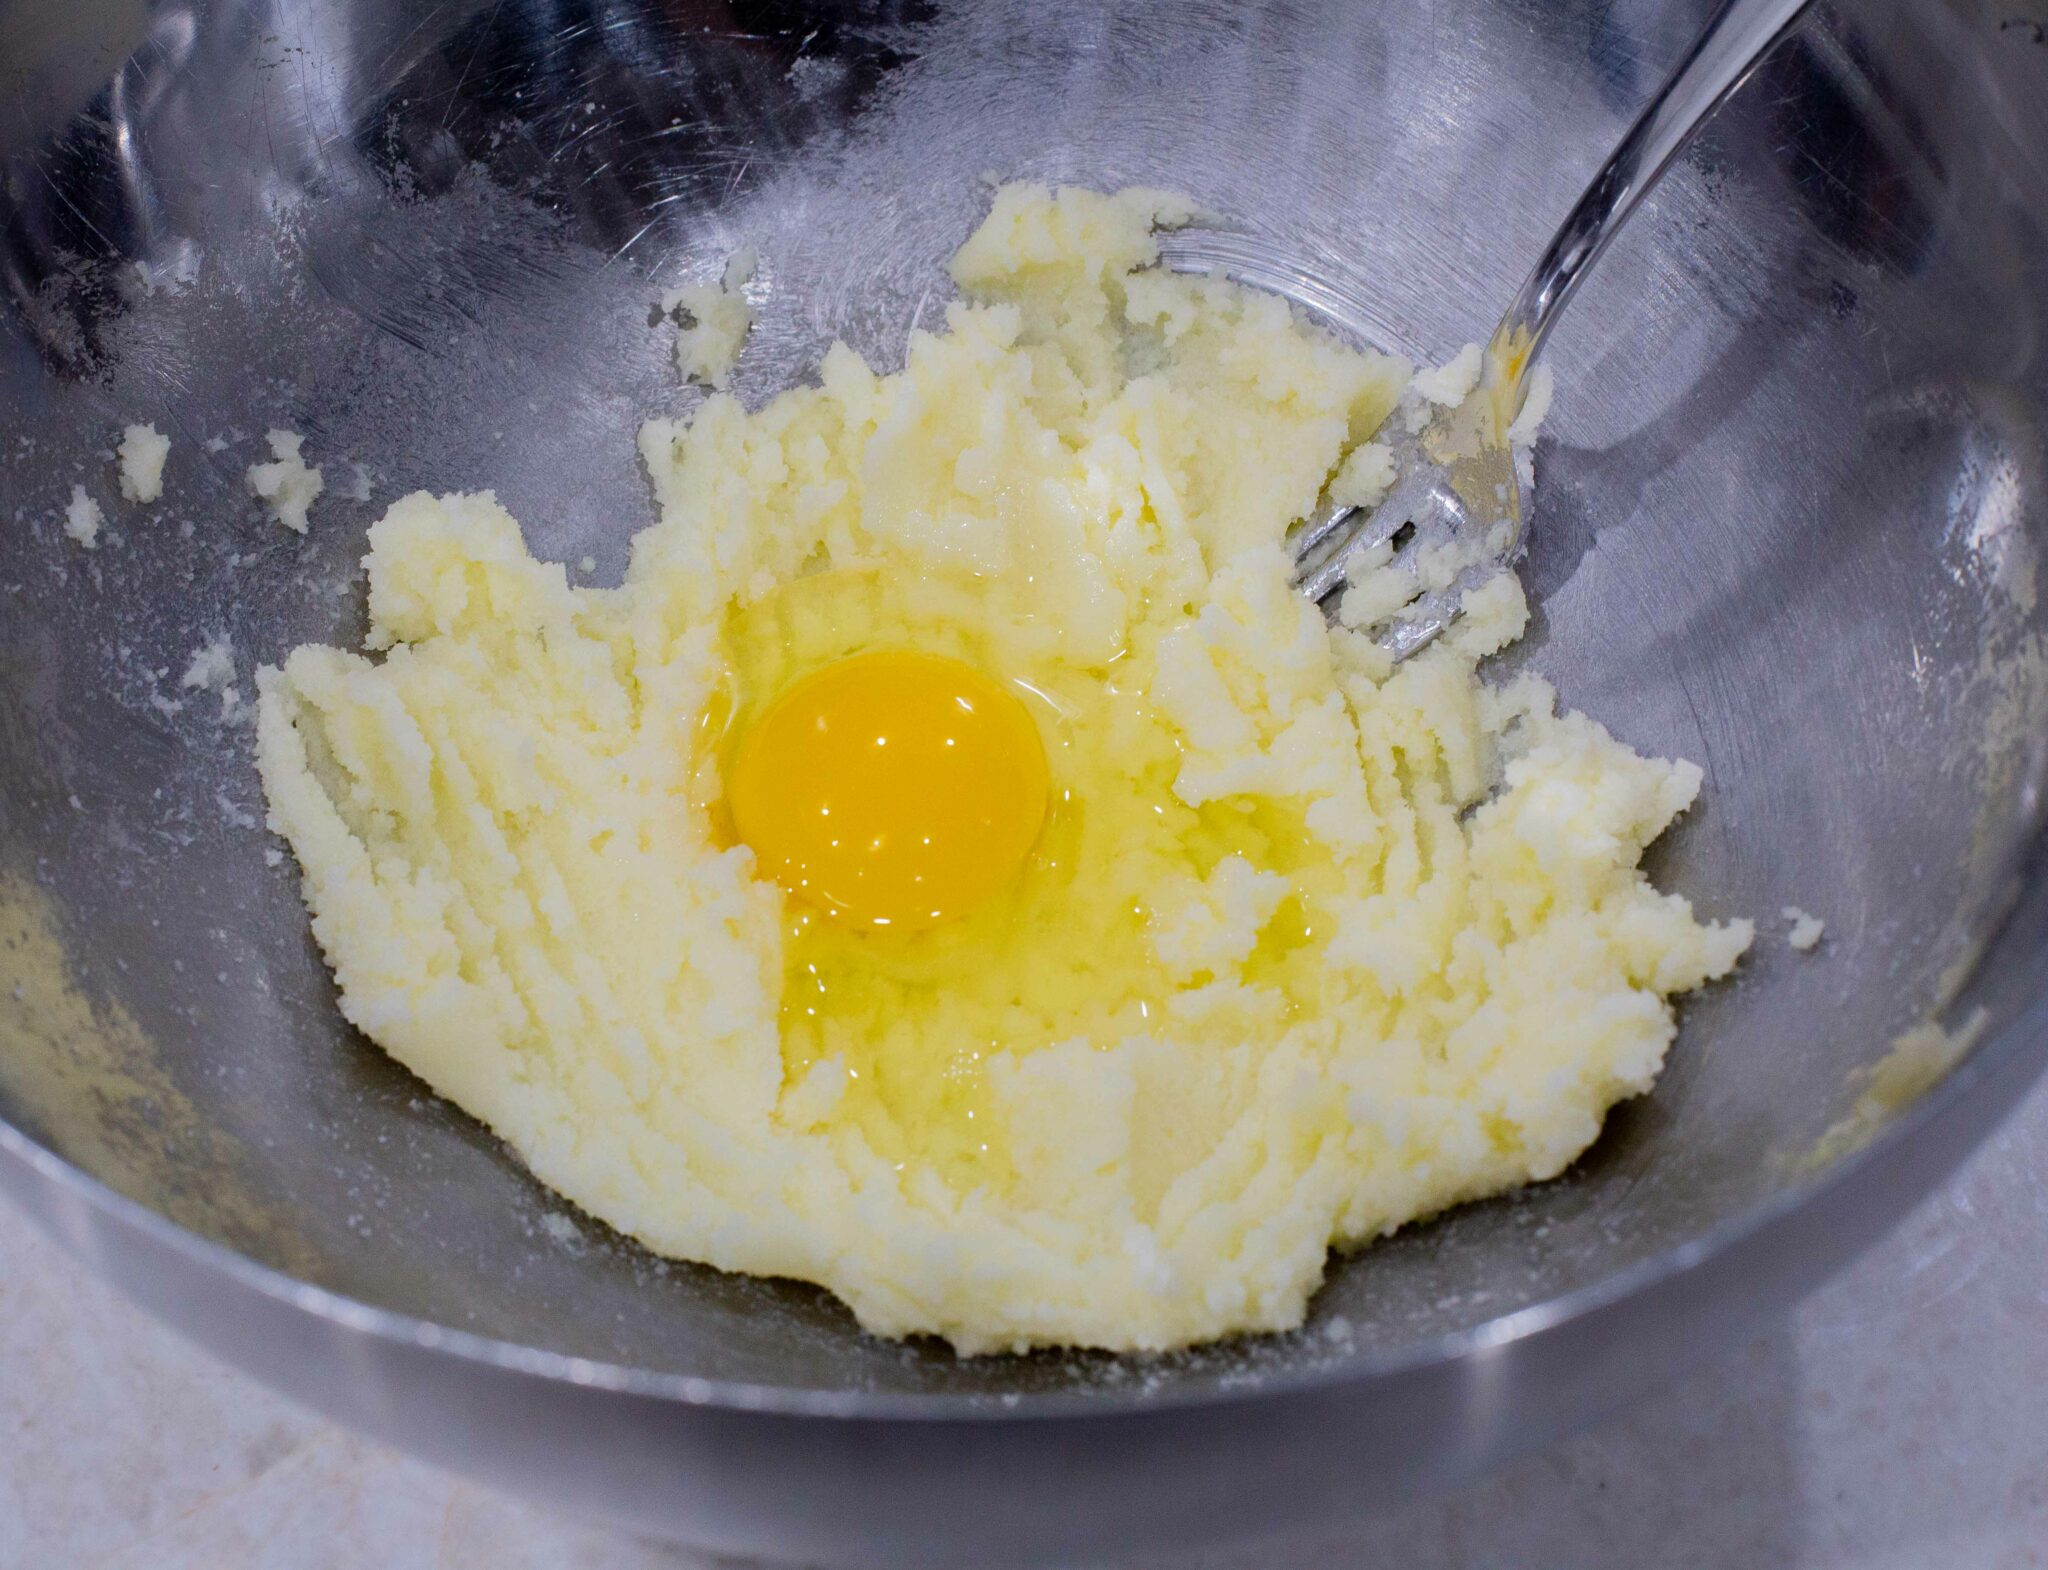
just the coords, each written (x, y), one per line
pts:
(1055, 835)
(892, 789)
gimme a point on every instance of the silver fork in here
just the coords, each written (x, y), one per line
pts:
(1458, 499)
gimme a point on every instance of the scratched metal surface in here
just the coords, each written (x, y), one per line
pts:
(1790, 506)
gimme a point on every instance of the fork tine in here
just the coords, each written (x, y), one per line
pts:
(1319, 526)
(1325, 572)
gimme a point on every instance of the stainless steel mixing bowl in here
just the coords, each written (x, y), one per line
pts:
(1788, 525)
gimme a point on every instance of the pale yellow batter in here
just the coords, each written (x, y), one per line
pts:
(1309, 946)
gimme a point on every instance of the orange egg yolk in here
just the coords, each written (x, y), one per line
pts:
(893, 790)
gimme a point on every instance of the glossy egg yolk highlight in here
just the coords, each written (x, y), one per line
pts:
(894, 790)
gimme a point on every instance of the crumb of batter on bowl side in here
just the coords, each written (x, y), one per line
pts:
(1806, 929)
(141, 456)
(715, 321)
(212, 669)
(82, 518)
(1310, 944)
(212, 665)
(288, 484)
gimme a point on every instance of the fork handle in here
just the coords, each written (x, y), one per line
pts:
(1740, 34)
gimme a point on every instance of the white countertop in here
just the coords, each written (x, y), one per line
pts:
(1898, 1420)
